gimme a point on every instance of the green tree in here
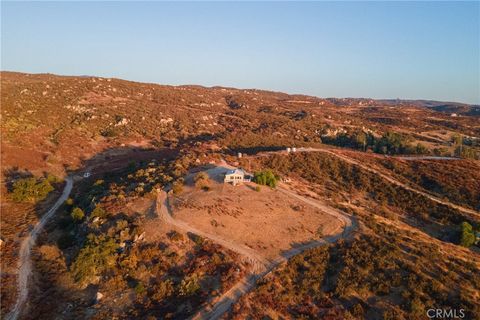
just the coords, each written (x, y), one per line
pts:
(97, 256)
(421, 149)
(69, 202)
(51, 178)
(189, 285)
(466, 152)
(140, 289)
(361, 140)
(391, 143)
(77, 214)
(266, 178)
(467, 236)
(457, 140)
(98, 212)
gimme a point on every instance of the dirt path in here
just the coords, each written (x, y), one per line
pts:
(425, 158)
(25, 262)
(261, 266)
(403, 185)
(164, 212)
(246, 284)
(389, 178)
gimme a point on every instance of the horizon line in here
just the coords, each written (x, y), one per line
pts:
(247, 88)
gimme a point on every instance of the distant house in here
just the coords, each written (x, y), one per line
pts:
(237, 176)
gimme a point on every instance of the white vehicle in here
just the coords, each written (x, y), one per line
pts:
(87, 174)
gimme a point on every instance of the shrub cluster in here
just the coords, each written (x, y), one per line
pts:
(389, 143)
(31, 189)
(467, 235)
(351, 279)
(266, 178)
(116, 258)
(202, 181)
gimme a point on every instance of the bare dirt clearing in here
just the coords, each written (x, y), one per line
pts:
(267, 221)
(217, 307)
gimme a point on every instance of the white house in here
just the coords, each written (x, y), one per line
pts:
(237, 176)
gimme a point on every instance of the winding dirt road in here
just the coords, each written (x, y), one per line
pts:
(25, 262)
(398, 183)
(261, 266)
(388, 178)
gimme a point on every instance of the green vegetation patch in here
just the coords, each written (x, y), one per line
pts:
(266, 178)
(467, 235)
(31, 189)
(389, 143)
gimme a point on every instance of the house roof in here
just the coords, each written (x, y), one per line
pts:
(235, 171)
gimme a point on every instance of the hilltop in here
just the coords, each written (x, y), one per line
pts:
(51, 122)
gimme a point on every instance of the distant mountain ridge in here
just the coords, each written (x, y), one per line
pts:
(440, 106)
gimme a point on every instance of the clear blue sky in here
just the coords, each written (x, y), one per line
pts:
(330, 49)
